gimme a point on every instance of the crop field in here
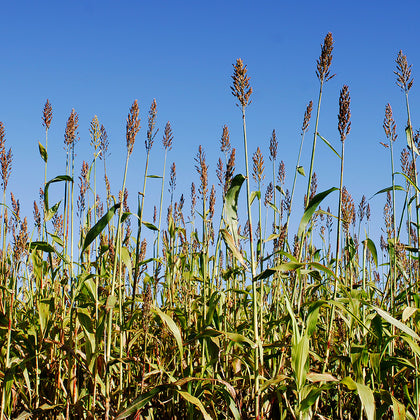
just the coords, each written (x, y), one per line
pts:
(213, 311)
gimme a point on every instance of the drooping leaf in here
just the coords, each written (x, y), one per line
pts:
(312, 206)
(173, 328)
(42, 246)
(408, 312)
(405, 328)
(385, 190)
(372, 248)
(49, 214)
(230, 243)
(255, 194)
(231, 205)
(59, 178)
(195, 401)
(140, 402)
(367, 399)
(99, 227)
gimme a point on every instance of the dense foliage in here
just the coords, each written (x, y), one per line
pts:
(106, 315)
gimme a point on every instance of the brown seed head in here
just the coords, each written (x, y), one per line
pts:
(47, 115)
(95, 133)
(132, 127)
(273, 146)
(362, 208)
(104, 143)
(193, 199)
(258, 166)
(202, 168)
(2, 136)
(269, 194)
(71, 129)
(344, 114)
(172, 179)
(220, 172)
(403, 73)
(225, 141)
(348, 213)
(151, 125)
(6, 167)
(241, 88)
(230, 169)
(282, 173)
(212, 201)
(167, 137)
(389, 124)
(324, 62)
(307, 117)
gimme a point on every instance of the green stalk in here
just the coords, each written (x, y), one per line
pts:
(308, 190)
(294, 184)
(160, 217)
(139, 226)
(253, 274)
(108, 333)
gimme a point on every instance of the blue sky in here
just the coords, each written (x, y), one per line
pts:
(98, 56)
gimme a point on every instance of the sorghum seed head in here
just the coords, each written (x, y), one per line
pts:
(47, 115)
(273, 146)
(307, 117)
(132, 126)
(324, 62)
(71, 129)
(241, 88)
(167, 137)
(389, 124)
(403, 73)
(344, 114)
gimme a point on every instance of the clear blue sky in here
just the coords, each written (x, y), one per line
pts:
(98, 56)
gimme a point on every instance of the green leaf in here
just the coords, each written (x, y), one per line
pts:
(410, 142)
(255, 194)
(59, 178)
(42, 246)
(230, 243)
(49, 214)
(85, 320)
(238, 338)
(367, 399)
(387, 317)
(372, 248)
(110, 302)
(140, 402)
(312, 206)
(99, 227)
(194, 400)
(173, 328)
(43, 152)
(385, 190)
(150, 226)
(328, 144)
(126, 259)
(231, 205)
(45, 308)
(154, 176)
(301, 170)
(409, 180)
